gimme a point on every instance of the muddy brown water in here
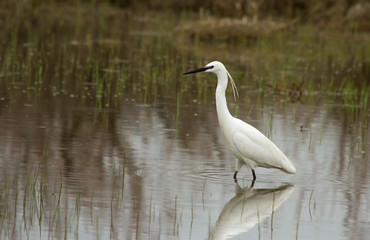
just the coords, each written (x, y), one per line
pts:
(135, 175)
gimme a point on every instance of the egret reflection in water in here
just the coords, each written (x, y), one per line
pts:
(248, 207)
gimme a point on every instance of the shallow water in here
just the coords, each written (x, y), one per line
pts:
(136, 175)
(148, 163)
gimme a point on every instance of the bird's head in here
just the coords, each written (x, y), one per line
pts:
(217, 68)
(214, 67)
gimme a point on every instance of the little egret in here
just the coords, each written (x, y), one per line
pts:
(250, 147)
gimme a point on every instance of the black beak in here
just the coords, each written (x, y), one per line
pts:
(196, 70)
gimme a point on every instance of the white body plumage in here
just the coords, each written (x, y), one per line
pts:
(249, 145)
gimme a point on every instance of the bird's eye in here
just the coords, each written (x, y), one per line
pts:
(209, 67)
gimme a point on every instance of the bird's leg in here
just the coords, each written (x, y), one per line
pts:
(236, 172)
(238, 165)
(254, 175)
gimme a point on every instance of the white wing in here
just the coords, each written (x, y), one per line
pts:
(253, 145)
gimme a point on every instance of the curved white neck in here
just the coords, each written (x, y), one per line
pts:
(221, 104)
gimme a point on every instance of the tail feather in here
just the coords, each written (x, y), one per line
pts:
(289, 168)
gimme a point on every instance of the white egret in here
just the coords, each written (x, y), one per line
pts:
(250, 147)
